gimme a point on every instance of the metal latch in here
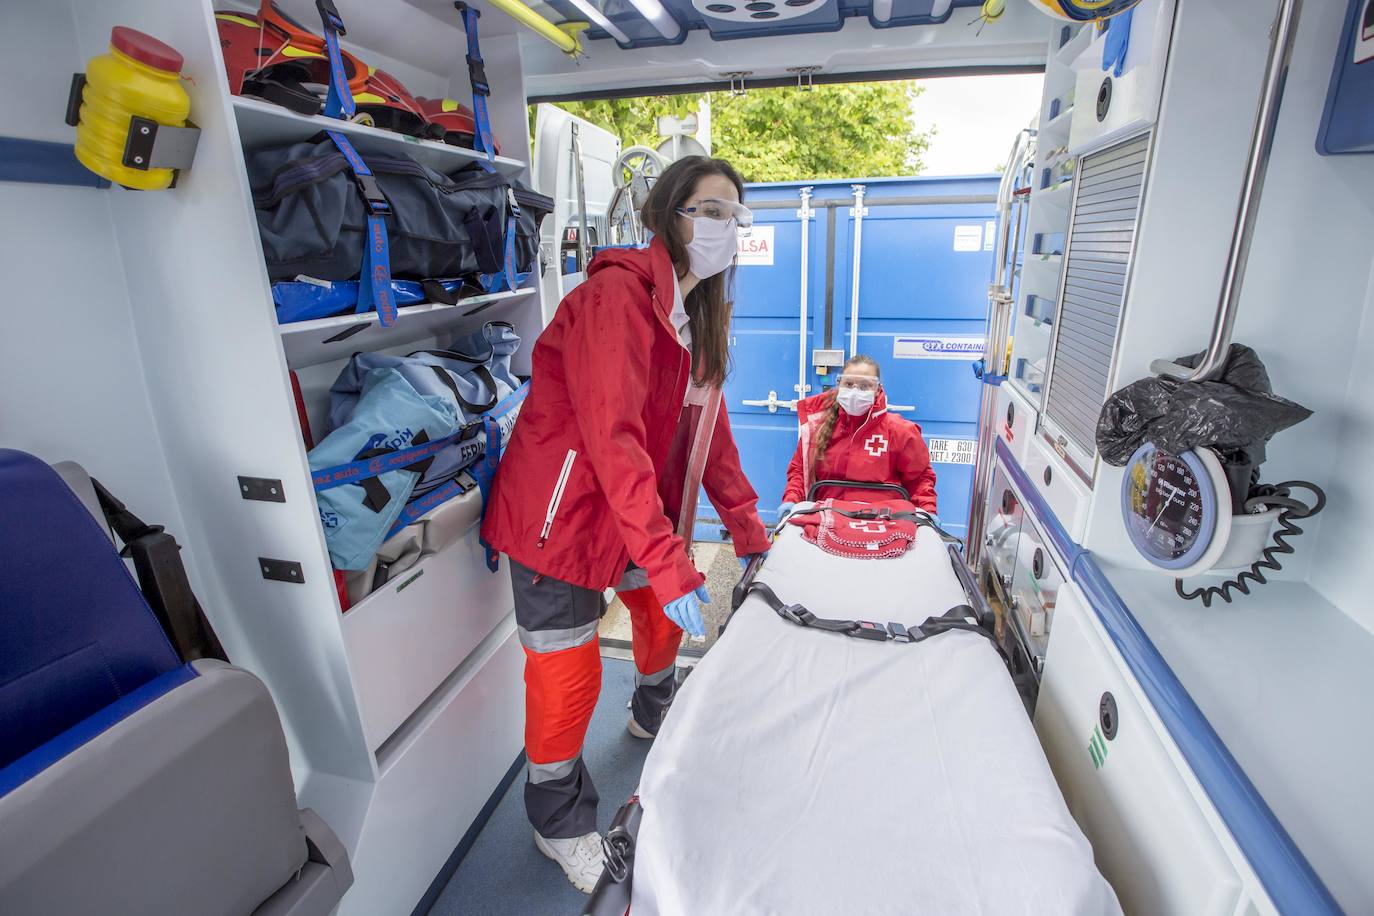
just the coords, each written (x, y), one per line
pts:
(151, 145)
(772, 403)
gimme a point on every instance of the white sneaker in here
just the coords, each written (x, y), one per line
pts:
(580, 857)
(639, 731)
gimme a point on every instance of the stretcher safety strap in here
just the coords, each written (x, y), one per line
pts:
(374, 277)
(485, 468)
(959, 617)
(477, 74)
(339, 102)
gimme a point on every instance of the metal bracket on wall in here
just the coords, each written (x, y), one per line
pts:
(265, 489)
(281, 570)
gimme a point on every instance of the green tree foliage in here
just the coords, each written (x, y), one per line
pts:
(832, 131)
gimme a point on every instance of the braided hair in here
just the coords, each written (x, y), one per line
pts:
(832, 411)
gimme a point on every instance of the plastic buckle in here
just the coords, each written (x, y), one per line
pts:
(377, 204)
(898, 632)
(797, 614)
(477, 73)
(330, 14)
(514, 204)
(867, 629)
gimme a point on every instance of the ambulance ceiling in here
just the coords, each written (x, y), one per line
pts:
(775, 42)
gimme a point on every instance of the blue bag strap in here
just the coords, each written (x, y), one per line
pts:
(485, 468)
(426, 504)
(512, 223)
(356, 471)
(374, 277)
(477, 74)
(339, 102)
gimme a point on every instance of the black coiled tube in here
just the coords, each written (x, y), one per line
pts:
(1290, 509)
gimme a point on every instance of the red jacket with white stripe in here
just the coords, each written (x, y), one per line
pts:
(577, 493)
(879, 447)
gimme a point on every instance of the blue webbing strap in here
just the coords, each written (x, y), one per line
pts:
(512, 221)
(426, 504)
(355, 471)
(477, 74)
(485, 468)
(339, 102)
(374, 286)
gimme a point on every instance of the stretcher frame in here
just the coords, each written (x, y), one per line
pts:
(611, 896)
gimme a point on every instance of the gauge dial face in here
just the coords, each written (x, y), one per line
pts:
(1170, 507)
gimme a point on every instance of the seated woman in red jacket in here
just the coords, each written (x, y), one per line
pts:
(848, 433)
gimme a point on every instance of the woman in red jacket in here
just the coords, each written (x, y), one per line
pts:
(847, 433)
(623, 423)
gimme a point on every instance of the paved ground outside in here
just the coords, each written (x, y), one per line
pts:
(718, 563)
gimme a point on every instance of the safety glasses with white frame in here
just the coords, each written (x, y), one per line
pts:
(723, 211)
(858, 382)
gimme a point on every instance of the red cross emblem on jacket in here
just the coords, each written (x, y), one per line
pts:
(876, 444)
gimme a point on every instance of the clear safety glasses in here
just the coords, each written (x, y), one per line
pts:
(858, 382)
(722, 210)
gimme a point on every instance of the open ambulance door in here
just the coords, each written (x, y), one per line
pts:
(572, 164)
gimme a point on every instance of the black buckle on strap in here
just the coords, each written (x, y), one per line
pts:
(867, 629)
(376, 201)
(477, 73)
(330, 14)
(898, 632)
(797, 614)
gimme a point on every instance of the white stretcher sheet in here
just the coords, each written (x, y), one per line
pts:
(804, 772)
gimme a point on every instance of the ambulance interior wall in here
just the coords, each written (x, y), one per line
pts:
(71, 381)
(1307, 287)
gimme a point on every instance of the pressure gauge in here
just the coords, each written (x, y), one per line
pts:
(1177, 508)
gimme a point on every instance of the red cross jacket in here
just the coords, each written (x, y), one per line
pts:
(594, 472)
(879, 447)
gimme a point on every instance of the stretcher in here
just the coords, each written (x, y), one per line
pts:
(804, 769)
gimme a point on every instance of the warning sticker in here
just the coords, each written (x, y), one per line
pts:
(968, 238)
(951, 451)
(989, 232)
(757, 247)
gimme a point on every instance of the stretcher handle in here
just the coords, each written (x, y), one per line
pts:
(857, 485)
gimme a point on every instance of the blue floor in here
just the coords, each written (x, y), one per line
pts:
(503, 874)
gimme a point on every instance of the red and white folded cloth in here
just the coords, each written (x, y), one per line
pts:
(859, 530)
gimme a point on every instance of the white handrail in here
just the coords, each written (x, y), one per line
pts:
(804, 214)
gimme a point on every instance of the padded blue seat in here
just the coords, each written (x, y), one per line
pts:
(75, 632)
(129, 781)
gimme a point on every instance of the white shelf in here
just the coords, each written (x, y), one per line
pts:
(264, 124)
(1284, 677)
(309, 343)
(1066, 55)
(1056, 195)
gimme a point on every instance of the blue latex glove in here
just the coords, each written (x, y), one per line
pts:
(686, 611)
(783, 509)
(744, 560)
(1117, 43)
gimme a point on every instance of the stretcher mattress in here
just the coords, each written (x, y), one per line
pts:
(803, 772)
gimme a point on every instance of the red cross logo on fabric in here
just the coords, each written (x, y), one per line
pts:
(876, 444)
(871, 527)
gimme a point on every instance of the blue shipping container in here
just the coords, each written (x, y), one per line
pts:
(925, 258)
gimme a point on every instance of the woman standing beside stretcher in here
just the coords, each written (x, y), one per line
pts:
(848, 433)
(624, 423)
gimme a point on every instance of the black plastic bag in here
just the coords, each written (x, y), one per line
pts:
(1234, 415)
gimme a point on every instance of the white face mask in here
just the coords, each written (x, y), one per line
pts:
(712, 248)
(854, 402)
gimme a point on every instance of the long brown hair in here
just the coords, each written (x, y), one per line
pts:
(708, 305)
(832, 411)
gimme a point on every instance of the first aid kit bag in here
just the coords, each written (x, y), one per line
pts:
(358, 500)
